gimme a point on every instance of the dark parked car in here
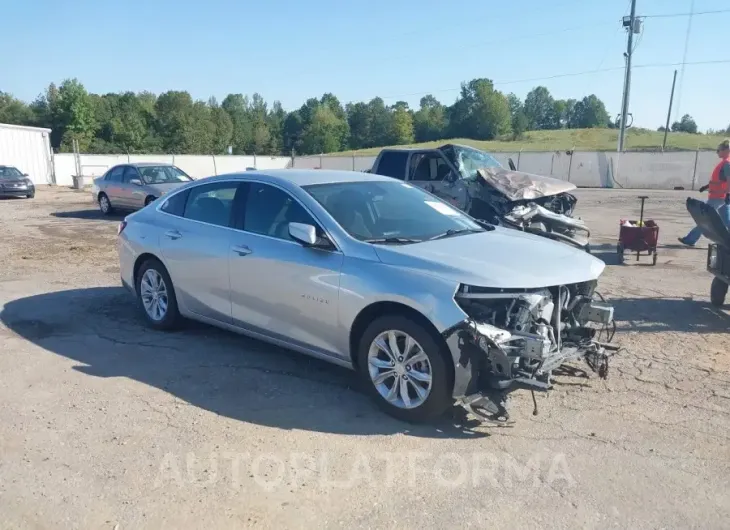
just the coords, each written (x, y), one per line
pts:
(13, 183)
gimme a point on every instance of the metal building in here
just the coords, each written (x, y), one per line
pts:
(28, 149)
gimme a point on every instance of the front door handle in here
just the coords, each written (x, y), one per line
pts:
(173, 234)
(241, 250)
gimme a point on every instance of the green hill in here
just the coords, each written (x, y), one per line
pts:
(578, 139)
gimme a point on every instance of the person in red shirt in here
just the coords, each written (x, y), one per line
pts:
(718, 193)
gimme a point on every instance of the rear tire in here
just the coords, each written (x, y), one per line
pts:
(156, 296)
(718, 292)
(424, 401)
(105, 204)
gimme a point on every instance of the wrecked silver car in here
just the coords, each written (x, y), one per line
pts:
(476, 183)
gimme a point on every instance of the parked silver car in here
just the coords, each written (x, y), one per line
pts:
(371, 273)
(134, 186)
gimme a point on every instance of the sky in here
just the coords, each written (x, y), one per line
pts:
(291, 50)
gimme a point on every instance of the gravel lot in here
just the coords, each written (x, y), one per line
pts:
(105, 424)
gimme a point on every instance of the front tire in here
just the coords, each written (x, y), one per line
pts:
(156, 296)
(403, 369)
(718, 292)
(30, 196)
(105, 204)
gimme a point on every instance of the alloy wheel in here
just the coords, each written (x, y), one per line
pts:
(153, 292)
(399, 369)
(104, 204)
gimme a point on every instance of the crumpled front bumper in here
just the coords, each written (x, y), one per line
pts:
(476, 379)
(558, 226)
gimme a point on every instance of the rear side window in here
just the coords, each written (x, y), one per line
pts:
(115, 174)
(393, 164)
(211, 203)
(175, 205)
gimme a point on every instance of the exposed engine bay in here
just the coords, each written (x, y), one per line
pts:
(532, 203)
(516, 338)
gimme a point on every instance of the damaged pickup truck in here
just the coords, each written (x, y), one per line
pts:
(476, 183)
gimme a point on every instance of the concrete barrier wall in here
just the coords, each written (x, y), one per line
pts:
(197, 166)
(588, 169)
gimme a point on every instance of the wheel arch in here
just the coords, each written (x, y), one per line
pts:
(379, 309)
(141, 259)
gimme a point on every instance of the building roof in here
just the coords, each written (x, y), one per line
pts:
(24, 127)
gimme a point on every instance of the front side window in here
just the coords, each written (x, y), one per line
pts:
(393, 164)
(211, 203)
(129, 174)
(9, 172)
(428, 167)
(387, 212)
(269, 210)
(163, 175)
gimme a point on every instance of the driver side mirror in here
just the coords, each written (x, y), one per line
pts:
(136, 182)
(305, 234)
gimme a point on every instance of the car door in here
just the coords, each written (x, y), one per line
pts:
(113, 185)
(195, 243)
(431, 171)
(133, 193)
(279, 287)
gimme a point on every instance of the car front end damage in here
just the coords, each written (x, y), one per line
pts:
(517, 338)
(532, 203)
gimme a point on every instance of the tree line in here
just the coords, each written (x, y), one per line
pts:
(173, 122)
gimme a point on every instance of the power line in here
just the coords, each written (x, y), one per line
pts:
(571, 74)
(672, 15)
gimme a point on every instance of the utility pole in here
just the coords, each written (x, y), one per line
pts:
(632, 27)
(669, 112)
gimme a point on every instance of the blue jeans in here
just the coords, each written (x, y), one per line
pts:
(718, 204)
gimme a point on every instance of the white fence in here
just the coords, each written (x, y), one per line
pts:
(590, 169)
(197, 166)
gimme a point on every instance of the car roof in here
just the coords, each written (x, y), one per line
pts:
(305, 177)
(146, 164)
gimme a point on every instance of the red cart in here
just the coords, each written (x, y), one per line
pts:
(638, 237)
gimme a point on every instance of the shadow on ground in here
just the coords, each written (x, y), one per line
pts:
(218, 371)
(89, 215)
(654, 315)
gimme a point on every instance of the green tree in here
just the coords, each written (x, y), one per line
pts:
(322, 133)
(359, 120)
(402, 124)
(430, 121)
(14, 111)
(590, 112)
(222, 129)
(540, 110)
(481, 112)
(380, 122)
(236, 105)
(687, 125)
(75, 114)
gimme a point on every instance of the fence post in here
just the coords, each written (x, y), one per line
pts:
(254, 161)
(519, 155)
(173, 159)
(570, 163)
(694, 171)
(215, 167)
(320, 161)
(552, 161)
(353, 161)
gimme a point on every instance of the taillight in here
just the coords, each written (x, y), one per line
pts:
(121, 227)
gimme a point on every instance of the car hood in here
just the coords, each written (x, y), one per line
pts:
(161, 189)
(501, 258)
(519, 186)
(709, 221)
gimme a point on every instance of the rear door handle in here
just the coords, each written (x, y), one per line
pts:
(173, 234)
(241, 250)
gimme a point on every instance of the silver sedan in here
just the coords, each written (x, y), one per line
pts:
(370, 273)
(134, 186)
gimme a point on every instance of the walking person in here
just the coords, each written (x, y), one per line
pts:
(718, 193)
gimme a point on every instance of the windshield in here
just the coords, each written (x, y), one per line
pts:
(394, 211)
(8, 172)
(468, 160)
(162, 175)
